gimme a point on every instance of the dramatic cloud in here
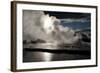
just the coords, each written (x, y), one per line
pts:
(37, 25)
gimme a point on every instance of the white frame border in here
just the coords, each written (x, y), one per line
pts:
(21, 65)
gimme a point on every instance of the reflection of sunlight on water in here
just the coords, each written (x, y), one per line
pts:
(47, 56)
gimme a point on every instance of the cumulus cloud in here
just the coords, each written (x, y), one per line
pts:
(37, 25)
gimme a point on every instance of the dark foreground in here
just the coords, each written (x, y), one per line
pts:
(69, 53)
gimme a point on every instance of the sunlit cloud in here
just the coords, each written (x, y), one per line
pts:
(37, 25)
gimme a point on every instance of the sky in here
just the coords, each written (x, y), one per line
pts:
(72, 19)
(62, 15)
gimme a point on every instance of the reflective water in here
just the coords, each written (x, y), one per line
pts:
(52, 53)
